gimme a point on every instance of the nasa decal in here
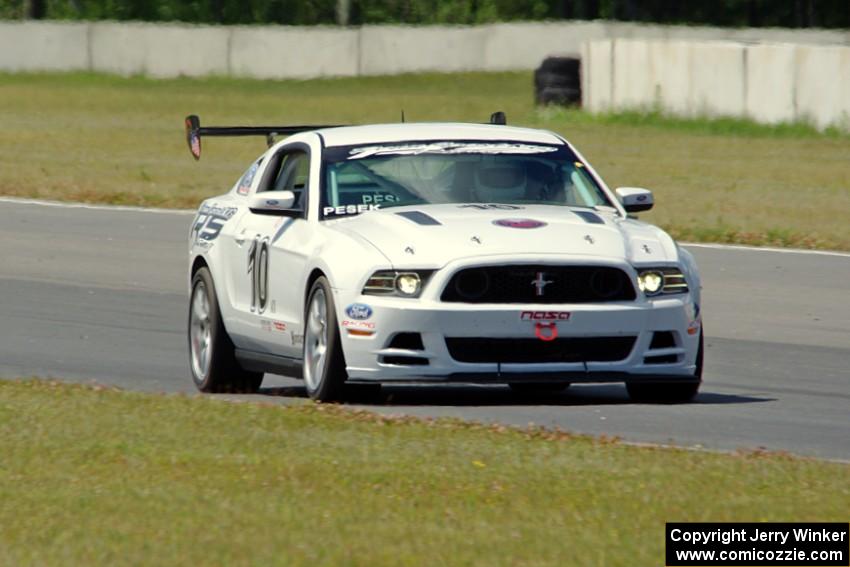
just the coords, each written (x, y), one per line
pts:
(519, 223)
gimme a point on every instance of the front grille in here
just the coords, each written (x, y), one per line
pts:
(407, 341)
(405, 360)
(662, 339)
(661, 359)
(539, 284)
(527, 351)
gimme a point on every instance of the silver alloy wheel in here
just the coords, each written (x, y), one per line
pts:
(200, 331)
(316, 340)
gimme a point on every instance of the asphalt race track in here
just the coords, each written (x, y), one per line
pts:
(98, 294)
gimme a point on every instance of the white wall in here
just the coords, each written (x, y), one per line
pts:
(770, 73)
(671, 86)
(684, 70)
(292, 52)
(43, 46)
(769, 83)
(170, 50)
(158, 50)
(597, 84)
(822, 85)
(717, 79)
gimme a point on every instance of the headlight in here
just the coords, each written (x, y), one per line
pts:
(400, 284)
(658, 281)
(408, 283)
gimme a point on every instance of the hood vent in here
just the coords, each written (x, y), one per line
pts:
(419, 218)
(591, 218)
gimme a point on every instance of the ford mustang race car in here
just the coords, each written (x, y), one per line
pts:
(476, 253)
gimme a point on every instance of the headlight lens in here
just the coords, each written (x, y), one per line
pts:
(650, 282)
(408, 283)
(400, 284)
(661, 281)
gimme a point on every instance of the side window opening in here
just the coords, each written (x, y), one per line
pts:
(292, 174)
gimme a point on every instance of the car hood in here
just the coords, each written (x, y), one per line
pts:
(430, 236)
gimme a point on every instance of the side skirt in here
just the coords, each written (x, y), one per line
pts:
(271, 363)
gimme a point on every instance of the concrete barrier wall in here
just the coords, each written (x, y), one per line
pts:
(770, 78)
(46, 46)
(683, 70)
(158, 51)
(769, 83)
(717, 79)
(292, 52)
(671, 87)
(170, 50)
(597, 86)
(822, 85)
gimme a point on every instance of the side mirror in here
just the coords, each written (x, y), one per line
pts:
(273, 203)
(635, 199)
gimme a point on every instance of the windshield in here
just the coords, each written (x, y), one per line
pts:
(361, 178)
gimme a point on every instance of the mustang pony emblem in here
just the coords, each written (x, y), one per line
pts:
(540, 283)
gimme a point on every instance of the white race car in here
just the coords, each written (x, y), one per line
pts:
(435, 253)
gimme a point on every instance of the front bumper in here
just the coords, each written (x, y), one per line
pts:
(367, 355)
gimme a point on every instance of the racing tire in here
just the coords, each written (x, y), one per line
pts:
(564, 96)
(558, 81)
(568, 67)
(211, 352)
(669, 392)
(324, 364)
(538, 387)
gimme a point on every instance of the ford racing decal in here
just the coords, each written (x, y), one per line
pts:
(358, 311)
(358, 325)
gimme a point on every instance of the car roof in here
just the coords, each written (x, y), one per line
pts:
(380, 133)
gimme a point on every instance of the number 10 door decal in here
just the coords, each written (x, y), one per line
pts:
(258, 270)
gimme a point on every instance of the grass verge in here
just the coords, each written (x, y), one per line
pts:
(96, 138)
(96, 476)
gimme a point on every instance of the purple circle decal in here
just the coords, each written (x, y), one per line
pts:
(519, 223)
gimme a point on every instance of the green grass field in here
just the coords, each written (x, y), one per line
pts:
(93, 476)
(105, 139)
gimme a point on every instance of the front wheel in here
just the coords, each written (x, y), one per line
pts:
(324, 364)
(669, 392)
(211, 352)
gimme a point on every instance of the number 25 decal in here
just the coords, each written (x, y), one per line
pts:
(258, 270)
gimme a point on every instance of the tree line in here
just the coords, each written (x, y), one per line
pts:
(727, 13)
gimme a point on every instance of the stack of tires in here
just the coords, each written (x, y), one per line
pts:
(557, 81)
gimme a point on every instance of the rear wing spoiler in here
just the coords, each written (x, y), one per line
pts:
(194, 131)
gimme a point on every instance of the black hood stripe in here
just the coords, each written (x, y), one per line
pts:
(420, 218)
